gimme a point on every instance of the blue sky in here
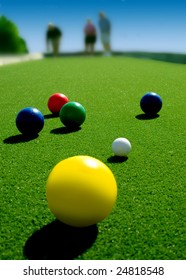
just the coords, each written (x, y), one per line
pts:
(142, 25)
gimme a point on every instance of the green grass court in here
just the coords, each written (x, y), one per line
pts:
(148, 219)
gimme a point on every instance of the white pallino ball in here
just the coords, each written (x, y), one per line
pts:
(121, 147)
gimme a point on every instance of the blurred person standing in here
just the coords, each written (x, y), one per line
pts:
(105, 32)
(90, 37)
(53, 38)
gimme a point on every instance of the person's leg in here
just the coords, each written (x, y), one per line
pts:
(87, 45)
(92, 48)
(107, 47)
(105, 38)
(86, 48)
(56, 43)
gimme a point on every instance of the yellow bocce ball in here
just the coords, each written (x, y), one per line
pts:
(81, 191)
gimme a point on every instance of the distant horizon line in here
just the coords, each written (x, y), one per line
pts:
(116, 52)
(99, 52)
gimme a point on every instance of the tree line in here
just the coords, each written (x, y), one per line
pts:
(10, 40)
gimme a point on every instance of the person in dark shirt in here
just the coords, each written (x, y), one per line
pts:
(53, 38)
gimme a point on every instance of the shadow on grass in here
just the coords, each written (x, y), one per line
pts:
(51, 116)
(146, 117)
(57, 241)
(65, 130)
(117, 159)
(20, 138)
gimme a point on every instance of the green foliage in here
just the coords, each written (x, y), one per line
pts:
(10, 40)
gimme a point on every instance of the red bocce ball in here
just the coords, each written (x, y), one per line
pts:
(56, 101)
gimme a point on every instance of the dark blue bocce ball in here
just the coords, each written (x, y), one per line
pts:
(151, 103)
(30, 121)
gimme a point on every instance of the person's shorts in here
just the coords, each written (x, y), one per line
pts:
(105, 38)
(90, 39)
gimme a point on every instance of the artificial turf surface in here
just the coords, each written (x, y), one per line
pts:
(148, 219)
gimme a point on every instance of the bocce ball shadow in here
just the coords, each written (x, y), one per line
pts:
(57, 241)
(117, 159)
(146, 117)
(65, 129)
(20, 138)
(51, 116)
